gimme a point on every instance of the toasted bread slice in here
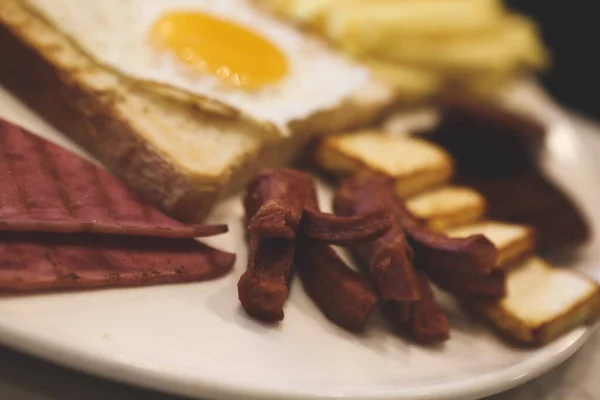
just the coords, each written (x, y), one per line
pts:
(414, 164)
(448, 207)
(543, 302)
(183, 158)
(514, 242)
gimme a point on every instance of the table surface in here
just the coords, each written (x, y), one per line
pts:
(26, 378)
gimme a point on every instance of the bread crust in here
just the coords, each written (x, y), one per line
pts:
(92, 116)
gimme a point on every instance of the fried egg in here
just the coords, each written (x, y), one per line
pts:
(226, 50)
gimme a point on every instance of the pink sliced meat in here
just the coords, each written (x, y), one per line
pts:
(34, 262)
(45, 188)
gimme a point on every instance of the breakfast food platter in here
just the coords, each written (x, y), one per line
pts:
(225, 203)
(195, 340)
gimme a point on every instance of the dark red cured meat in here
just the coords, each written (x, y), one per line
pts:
(488, 135)
(389, 257)
(474, 254)
(424, 320)
(491, 285)
(34, 262)
(281, 208)
(345, 231)
(427, 322)
(273, 206)
(496, 152)
(263, 288)
(391, 268)
(45, 188)
(343, 295)
(275, 201)
(411, 304)
(462, 266)
(530, 198)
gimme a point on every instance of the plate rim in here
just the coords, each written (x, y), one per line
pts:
(468, 388)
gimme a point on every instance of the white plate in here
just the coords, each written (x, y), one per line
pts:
(194, 340)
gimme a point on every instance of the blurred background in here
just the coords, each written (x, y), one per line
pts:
(569, 29)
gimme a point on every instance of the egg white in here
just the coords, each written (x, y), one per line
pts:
(117, 33)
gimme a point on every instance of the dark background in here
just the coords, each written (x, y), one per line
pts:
(571, 30)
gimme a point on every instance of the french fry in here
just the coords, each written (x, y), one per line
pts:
(528, 53)
(493, 51)
(359, 25)
(498, 50)
(523, 34)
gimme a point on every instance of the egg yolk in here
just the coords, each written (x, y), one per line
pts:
(235, 54)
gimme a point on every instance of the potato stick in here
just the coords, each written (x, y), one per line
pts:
(499, 50)
(360, 24)
(488, 53)
(523, 34)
